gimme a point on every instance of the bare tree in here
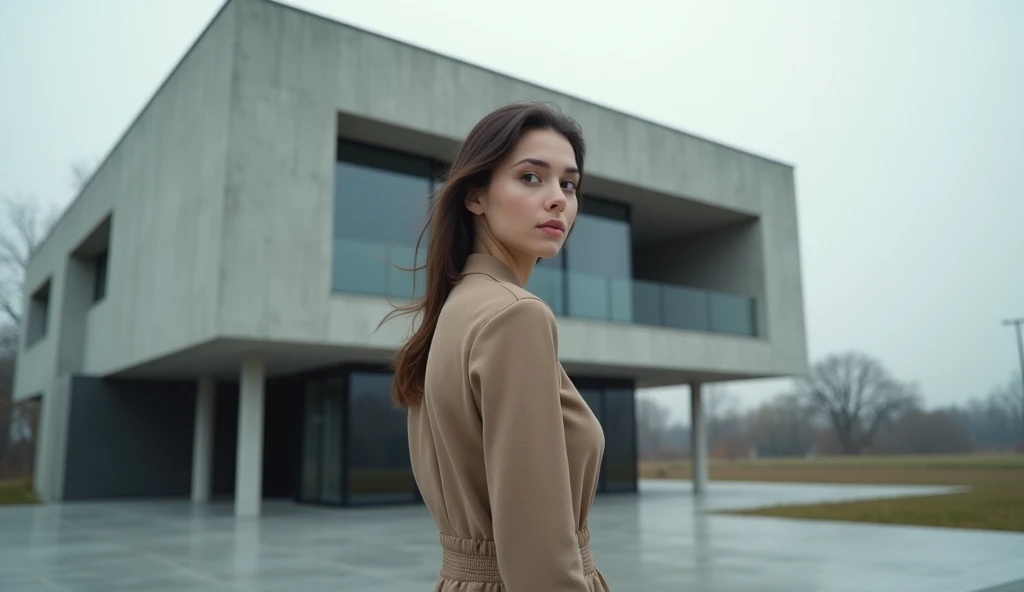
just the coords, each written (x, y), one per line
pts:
(782, 426)
(721, 412)
(24, 226)
(1008, 397)
(993, 421)
(719, 403)
(8, 350)
(857, 394)
(923, 432)
(652, 425)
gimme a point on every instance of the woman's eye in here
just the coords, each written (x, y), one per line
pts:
(571, 185)
(531, 178)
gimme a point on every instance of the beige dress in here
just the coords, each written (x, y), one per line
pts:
(505, 451)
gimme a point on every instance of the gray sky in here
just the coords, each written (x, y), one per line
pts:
(904, 120)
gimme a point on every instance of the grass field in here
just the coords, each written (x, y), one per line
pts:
(995, 501)
(17, 492)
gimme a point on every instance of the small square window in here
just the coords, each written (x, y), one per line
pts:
(38, 314)
(99, 286)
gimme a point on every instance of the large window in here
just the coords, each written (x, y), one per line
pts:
(599, 264)
(380, 206)
(355, 444)
(592, 277)
(379, 466)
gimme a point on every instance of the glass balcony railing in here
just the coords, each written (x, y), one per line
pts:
(644, 303)
(363, 268)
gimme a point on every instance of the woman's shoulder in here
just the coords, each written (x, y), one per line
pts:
(489, 296)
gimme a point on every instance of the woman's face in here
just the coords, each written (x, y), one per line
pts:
(530, 204)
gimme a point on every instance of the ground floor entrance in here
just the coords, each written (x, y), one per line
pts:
(355, 450)
(329, 437)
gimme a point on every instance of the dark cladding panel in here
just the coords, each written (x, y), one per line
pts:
(225, 440)
(129, 438)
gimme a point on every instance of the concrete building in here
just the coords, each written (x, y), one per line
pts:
(202, 319)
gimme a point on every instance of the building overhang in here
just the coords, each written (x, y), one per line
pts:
(652, 356)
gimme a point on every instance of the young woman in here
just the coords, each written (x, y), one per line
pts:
(504, 450)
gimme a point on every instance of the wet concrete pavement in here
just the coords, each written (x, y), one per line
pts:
(660, 540)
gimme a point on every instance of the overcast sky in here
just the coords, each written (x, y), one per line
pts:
(904, 120)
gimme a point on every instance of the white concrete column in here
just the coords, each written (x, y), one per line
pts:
(51, 440)
(202, 439)
(249, 459)
(698, 440)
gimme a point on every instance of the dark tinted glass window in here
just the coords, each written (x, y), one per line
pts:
(380, 206)
(613, 407)
(593, 398)
(592, 206)
(619, 433)
(99, 286)
(323, 441)
(599, 246)
(379, 465)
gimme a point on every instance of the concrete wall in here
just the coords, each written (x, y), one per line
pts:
(655, 356)
(759, 258)
(782, 271)
(295, 73)
(163, 186)
(51, 440)
(221, 196)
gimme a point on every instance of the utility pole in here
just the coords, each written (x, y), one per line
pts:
(1020, 351)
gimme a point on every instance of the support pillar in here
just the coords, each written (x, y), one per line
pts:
(698, 440)
(51, 440)
(249, 459)
(202, 439)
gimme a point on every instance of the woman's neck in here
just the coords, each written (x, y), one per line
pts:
(520, 264)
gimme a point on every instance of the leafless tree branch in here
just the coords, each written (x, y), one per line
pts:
(858, 396)
(23, 226)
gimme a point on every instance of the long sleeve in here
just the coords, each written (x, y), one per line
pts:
(515, 373)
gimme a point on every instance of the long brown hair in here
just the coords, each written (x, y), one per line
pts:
(451, 226)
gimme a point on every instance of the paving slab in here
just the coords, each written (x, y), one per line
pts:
(662, 539)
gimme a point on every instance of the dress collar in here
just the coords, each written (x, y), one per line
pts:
(488, 265)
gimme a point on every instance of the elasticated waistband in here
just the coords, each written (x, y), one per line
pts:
(471, 560)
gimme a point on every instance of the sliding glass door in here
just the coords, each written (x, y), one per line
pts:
(355, 444)
(323, 441)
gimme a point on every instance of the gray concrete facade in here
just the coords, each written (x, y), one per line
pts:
(216, 211)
